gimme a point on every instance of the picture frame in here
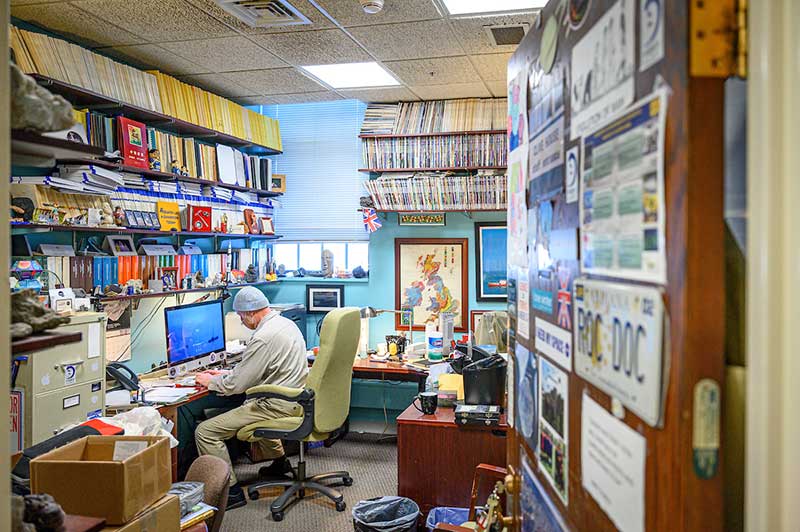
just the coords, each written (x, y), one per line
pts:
(120, 245)
(475, 318)
(491, 263)
(429, 219)
(278, 183)
(266, 225)
(169, 276)
(324, 297)
(431, 277)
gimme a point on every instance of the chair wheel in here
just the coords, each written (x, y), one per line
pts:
(340, 506)
(254, 495)
(277, 516)
(347, 481)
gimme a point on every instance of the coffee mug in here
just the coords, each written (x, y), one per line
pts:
(428, 400)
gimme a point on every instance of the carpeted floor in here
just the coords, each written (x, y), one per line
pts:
(371, 463)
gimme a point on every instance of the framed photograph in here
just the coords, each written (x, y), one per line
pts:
(475, 318)
(431, 278)
(278, 183)
(491, 277)
(120, 245)
(169, 277)
(266, 225)
(324, 297)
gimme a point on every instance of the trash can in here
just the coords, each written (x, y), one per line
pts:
(386, 514)
(446, 514)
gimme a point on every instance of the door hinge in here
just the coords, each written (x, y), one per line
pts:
(718, 30)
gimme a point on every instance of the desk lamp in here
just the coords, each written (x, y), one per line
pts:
(372, 312)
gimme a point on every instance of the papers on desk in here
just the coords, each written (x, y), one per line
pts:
(199, 512)
(168, 395)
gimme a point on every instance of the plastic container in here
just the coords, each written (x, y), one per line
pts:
(447, 515)
(434, 342)
(386, 514)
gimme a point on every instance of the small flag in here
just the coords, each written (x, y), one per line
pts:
(371, 222)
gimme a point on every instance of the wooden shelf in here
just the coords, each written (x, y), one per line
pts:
(437, 169)
(187, 291)
(44, 340)
(438, 134)
(31, 143)
(81, 97)
(131, 231)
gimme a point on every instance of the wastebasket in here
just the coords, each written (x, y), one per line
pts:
(386, 514)
(446, 514)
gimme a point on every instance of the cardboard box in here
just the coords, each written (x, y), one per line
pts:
(163, 516)
(114, 477)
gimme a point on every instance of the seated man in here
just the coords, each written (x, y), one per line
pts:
(275, 354)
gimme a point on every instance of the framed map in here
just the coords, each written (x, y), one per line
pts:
(431, 278)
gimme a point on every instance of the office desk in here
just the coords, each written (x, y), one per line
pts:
(364, 368)
(436, 458)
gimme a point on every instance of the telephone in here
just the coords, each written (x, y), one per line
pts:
(124, 376)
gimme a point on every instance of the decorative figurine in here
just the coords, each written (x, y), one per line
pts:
(251, 274)
(223, 223)
(199, 281)
(154, 159)
(175, 167)
(184, 171)
(327, 263)
(119, 217)
(107, 218)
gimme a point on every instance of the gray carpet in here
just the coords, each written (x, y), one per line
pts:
(371, 463)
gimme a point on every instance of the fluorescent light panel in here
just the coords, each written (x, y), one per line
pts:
(352, 75)
(476, 7)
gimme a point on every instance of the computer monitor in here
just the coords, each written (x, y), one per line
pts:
(194, 331)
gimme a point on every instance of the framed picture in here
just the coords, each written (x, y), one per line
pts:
(120, 245)
(169, 276)
(491, 277)
(278, 183)
(421, 218)
(431, 278)
(475, 318)
(266, 225)
(324, 297)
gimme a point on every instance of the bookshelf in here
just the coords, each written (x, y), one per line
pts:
(85, 98)
(432, 169)
(439, 193)
(144, 232)
(183, 291)
(463, 150)
(30, 143)
(437, 134)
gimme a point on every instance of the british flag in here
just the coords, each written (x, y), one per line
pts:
(371, 221)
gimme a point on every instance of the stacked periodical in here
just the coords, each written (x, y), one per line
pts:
(438, 192)
(443, 151)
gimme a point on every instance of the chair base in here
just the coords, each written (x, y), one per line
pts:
(298, 487)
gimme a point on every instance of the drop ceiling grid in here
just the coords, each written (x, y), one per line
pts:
(433, 56)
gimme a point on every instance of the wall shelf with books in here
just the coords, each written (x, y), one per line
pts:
(184, 291)
(436, 134)
(457, 151)
(85, 98)
(31, 143)
(438, 193)
(144, 232)
(432, 169)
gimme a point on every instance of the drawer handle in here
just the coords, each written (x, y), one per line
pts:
(65, 364)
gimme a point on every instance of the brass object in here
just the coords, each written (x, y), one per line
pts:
(718, 38)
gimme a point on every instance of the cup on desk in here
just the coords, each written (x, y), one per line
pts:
(428, 401)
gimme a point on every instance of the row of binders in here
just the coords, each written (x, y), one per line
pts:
(439, 116)
(438, 192)
(87, 272)
(451, 151)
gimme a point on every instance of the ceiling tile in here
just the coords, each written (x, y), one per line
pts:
(313, 47)
(71, 22)
(474, 37)
(304, 97)
(152, 56)
(492, 67)
(393, 94)
(274, 81)
(252, 100)
(225, 54)
(451, 90)
(499, 88)
(349, 12)
(414, 40)
(434, 71)
(218, 84)
(318, 20)
(157, 20)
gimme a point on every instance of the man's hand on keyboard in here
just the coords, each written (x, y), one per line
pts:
(202, 379)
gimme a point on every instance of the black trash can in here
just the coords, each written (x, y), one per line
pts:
(386, 514)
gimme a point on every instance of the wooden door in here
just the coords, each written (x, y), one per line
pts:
(576, 54)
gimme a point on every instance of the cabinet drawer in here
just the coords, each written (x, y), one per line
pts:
(73, 404)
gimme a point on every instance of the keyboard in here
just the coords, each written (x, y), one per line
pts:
(186, 381)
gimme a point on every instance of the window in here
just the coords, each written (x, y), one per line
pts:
(346, 255)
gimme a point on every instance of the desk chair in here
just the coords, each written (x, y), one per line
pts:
(214, 473)
(325, 402)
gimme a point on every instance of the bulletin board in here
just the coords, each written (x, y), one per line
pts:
(617, 227)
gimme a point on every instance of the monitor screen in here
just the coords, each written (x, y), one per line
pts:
(194, 331)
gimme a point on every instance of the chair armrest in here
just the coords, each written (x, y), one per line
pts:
(271, 391)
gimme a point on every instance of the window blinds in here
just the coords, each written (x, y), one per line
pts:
(321, 154)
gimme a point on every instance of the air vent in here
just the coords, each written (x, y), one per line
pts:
(508, 34)
(264, 13)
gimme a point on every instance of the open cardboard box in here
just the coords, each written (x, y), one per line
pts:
(163, 516)
(114, 477)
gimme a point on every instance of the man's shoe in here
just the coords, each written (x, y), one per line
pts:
(236, 498)
(277, 470)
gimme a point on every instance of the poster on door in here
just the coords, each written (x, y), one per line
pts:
(619, 343)
(553, 426)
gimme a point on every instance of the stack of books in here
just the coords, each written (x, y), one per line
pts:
(449, 151)
(379, 119)
(438, 192)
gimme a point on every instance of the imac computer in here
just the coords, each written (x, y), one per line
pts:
(195, 336)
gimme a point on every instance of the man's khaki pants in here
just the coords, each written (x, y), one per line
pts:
(212, 433)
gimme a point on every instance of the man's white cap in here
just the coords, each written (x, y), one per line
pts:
(250, 298)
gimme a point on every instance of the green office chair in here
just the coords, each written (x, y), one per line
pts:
(325, 402)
